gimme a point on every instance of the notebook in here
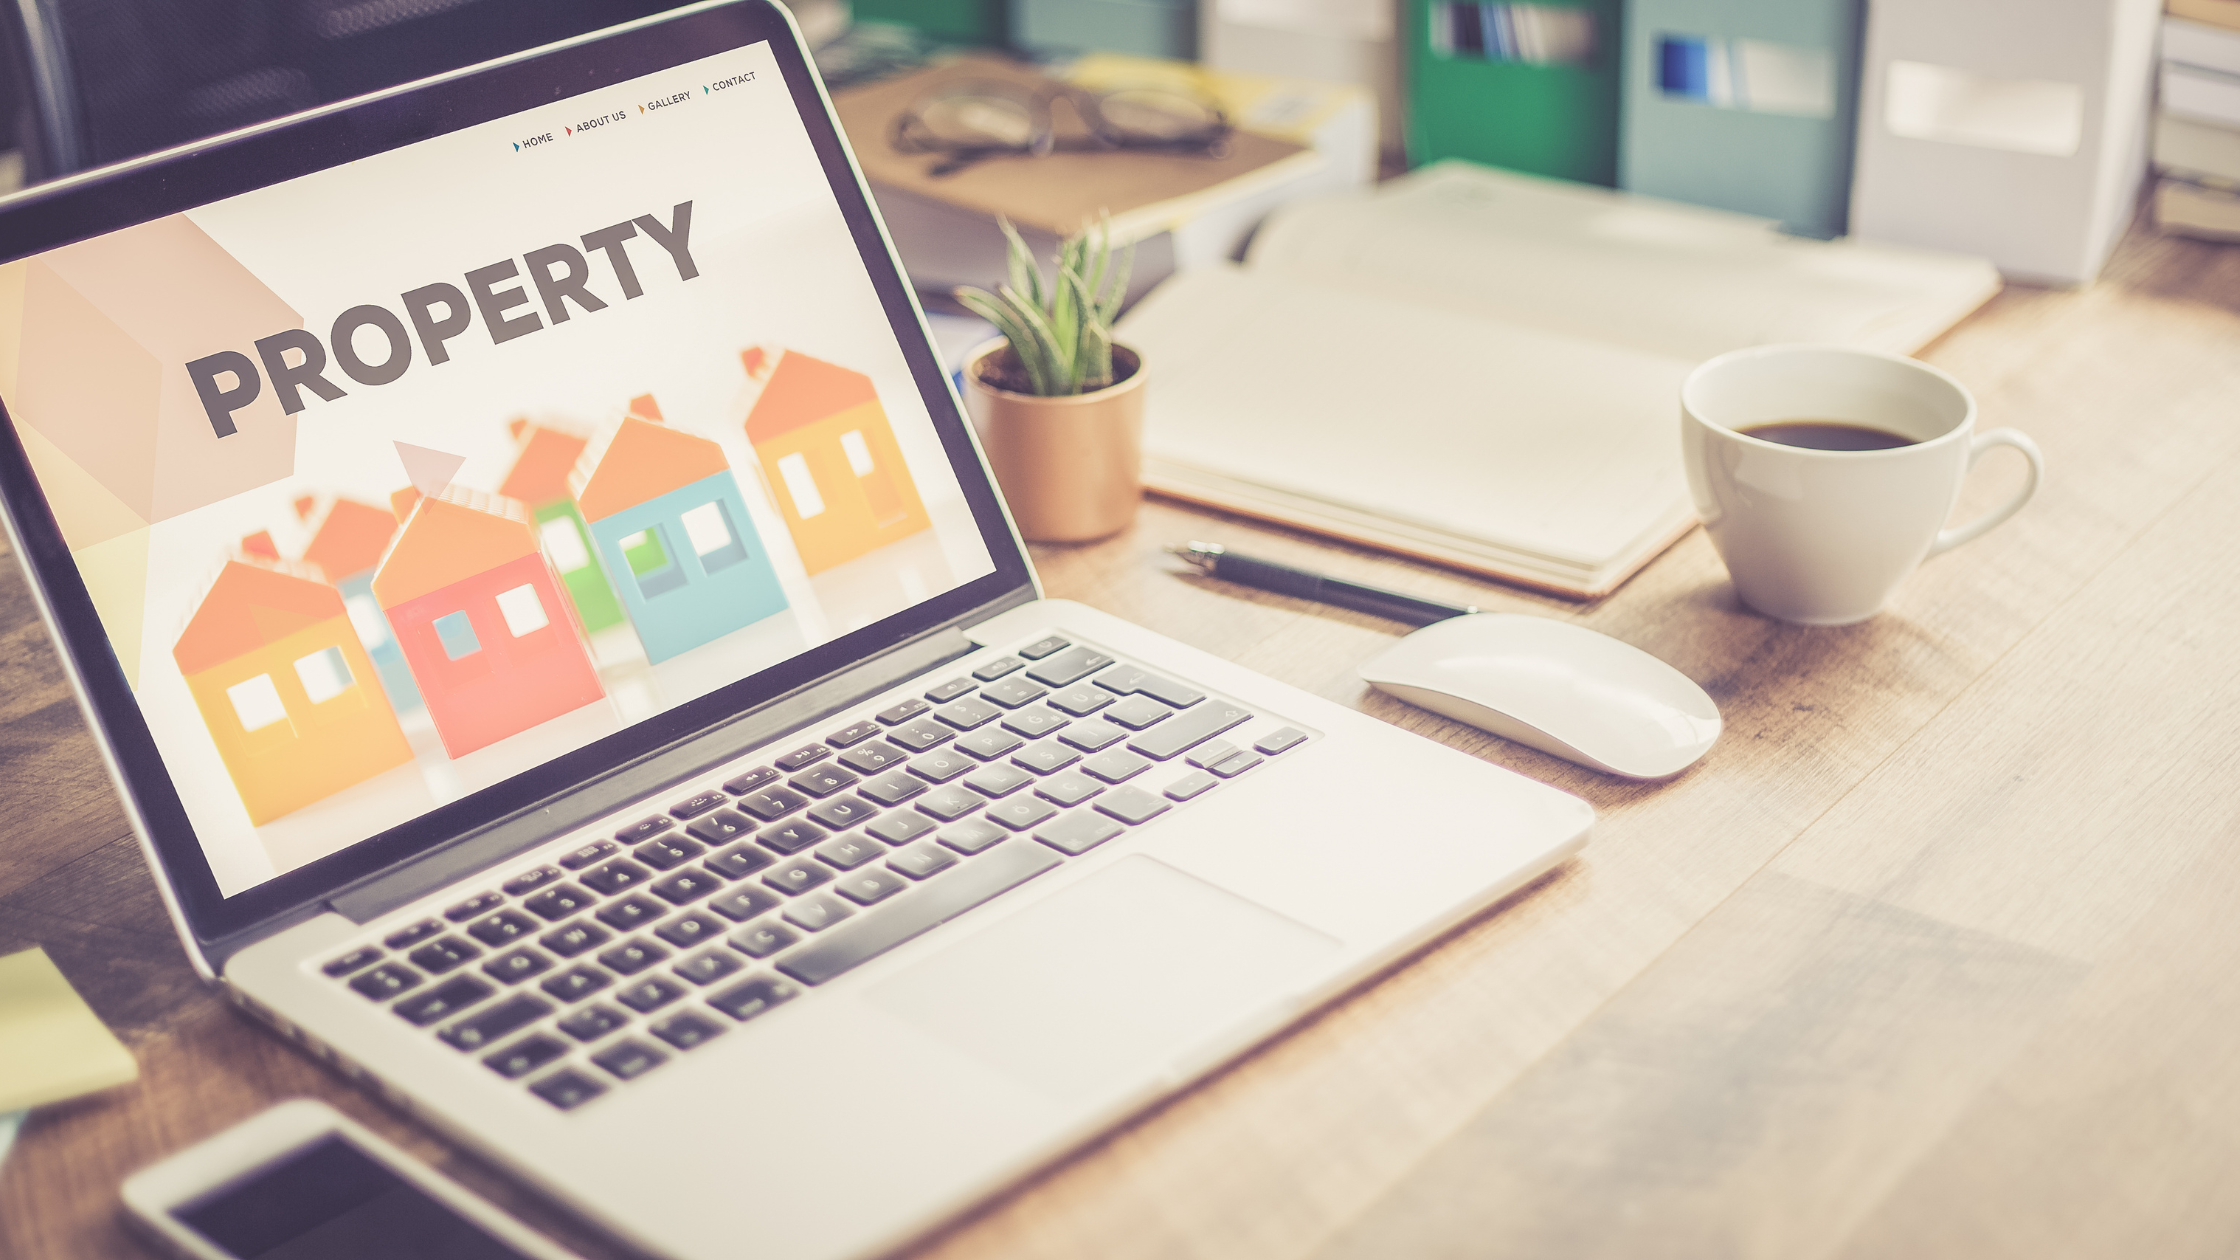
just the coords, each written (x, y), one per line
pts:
(1482, 368)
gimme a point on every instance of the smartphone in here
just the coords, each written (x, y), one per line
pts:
(302, 1181)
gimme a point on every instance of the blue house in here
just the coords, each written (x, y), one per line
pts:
(672, 532)
(347, 547)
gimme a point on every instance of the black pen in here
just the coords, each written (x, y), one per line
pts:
(1215, 560)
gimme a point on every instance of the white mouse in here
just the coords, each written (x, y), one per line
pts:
(1561, 688)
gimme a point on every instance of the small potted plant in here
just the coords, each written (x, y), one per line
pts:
(1059, 407)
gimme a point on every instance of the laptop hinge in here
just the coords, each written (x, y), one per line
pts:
(496, 843)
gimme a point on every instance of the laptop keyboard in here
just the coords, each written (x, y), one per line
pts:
(602, 960)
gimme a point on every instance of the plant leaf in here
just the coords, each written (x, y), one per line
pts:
(1108, 305)
(1023, 274)
(1054, 375)
(1005, 316)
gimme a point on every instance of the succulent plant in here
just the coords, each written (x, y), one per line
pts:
(1060, 333)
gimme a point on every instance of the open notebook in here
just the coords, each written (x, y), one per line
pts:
(1483, 368)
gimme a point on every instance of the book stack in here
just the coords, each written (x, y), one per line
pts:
(2197, 131)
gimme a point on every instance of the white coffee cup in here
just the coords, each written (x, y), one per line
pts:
(1822, 537)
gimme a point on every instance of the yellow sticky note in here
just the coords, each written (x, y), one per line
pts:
(52, 1046)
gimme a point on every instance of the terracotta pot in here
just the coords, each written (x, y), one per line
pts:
(1071, 467)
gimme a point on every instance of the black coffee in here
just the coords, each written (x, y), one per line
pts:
(1827, 435)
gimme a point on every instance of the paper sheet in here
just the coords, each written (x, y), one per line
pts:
(52, 1045)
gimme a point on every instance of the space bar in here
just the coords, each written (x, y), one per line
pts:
(924, 907)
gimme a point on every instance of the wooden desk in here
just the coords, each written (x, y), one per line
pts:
(1934, 955)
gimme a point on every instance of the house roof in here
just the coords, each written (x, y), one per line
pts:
(351, 539)
(540, 472)
(803, 391)
(253, 603)
(643, 460)
(451, 537)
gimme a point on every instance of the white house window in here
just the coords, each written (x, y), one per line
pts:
(708, 529)
(859, 452)
(523, 611)
(456, 633)
(803, 487)
(325, 675)
(257, 703)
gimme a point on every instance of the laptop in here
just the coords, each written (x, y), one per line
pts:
(570, 669)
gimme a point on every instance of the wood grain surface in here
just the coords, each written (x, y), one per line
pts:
(1933, 955)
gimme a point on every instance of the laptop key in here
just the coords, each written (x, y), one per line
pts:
(1132, 805)
(897, 714)
(481, 903)
(1076, 834)
(567, 1089)
(696, 804)
(738, 861)
(950, 690)
(919, 735)
(1285, 740)
(791, 838)
(1069, 668)
(445, 954)
(1205, 754)
(576, 938)
(892, 788)
(801, 756)
(1191, 784)
(721, 827)
(998, 780)
(748, 781)
(1033, 723)
(386, 981)
(1137, 712)
(852, 734)
(691, 928)
(950, 803)
(900, 827)
(686, 1029)
(686, 887)
(815, 914)
(968, 714)
(772, 803)
(973, 837)
(873, 757)
(628, 1060)
(590, 853)
(632, 956)
(757, 996)
(760, 940)
(997, 668)
(616, 877)
(742, 904)
(922, 861)
(1012, 693)
(990, 744)
(592, 1022)
(530, 881)
(1093, 736)
(1068, 789)
(576, 984)
(1235, 764)
(1046, 758)
(413, 935)
(645, 829)
(1188, 730)
(852, 944)
(941, 765)
(517, 966)
(555, 904)
(797, 878)
(443, 1001)
(1134, 680)
(649, 994)
(867, 888)
(669, 852)
(849, 851)
(631, 913)
(822, 781)
(351, 961)
(1022, 812)
(1080, 701)
(708, 968)
(1044, 646)
(526, 1056)
(496, 1023)
(843, 812)
(502, 928)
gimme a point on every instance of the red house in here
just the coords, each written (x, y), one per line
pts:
(490, 638)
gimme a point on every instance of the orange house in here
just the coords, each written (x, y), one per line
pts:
(830, 459)
(285, 688)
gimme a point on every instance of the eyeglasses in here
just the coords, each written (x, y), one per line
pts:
(976, 120)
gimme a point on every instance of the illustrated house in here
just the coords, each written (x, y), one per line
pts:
(830, 456)
(539, 479)
(492, 643)
(282, 683)
(672, 530)
(345, 547)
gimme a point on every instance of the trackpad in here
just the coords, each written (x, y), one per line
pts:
(1114, 977)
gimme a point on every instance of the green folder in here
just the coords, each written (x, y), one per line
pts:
(1556, 119)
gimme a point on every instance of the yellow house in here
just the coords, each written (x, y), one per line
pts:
(285, 689)
(830, 459)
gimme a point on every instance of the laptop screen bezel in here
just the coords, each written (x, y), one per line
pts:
(49, 216)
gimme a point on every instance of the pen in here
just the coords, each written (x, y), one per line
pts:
(1215, 560)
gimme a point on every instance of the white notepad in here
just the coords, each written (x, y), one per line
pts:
(1483, 368)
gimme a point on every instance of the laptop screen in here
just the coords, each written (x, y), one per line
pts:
(394, 481)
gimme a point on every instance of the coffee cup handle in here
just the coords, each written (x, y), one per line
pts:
(1948, 539)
